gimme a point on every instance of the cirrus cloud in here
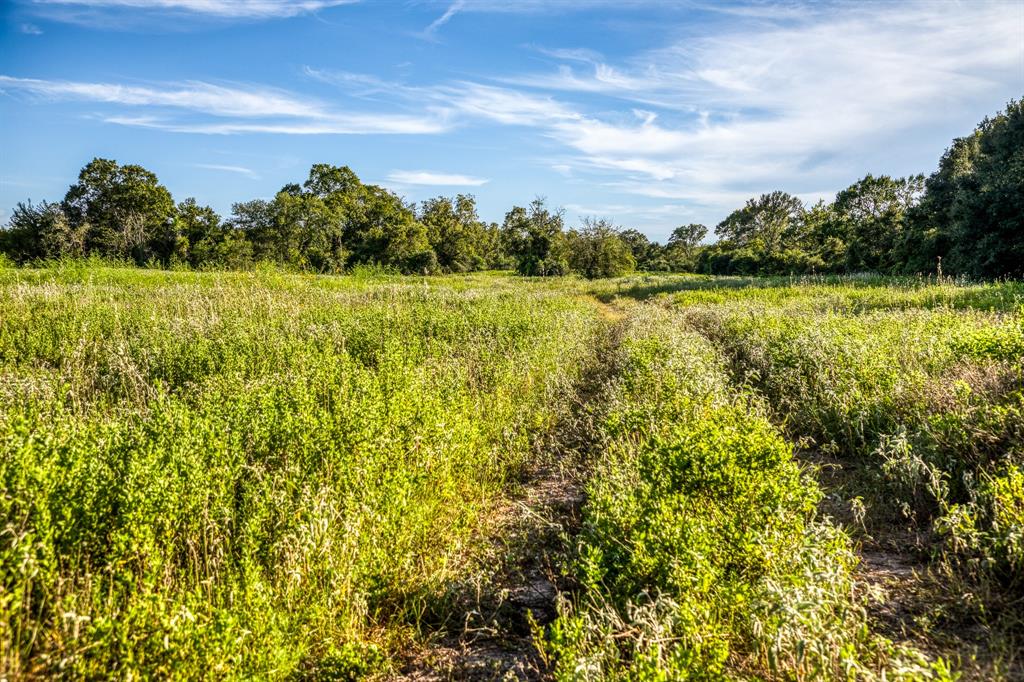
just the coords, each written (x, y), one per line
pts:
(235, 9)
(225, 110)
(404, 177)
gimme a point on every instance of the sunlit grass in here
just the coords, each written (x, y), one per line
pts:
(270, 475)
(254, 474)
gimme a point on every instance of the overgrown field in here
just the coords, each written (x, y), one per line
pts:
(913, 391)
(269, 475)
(920, 388)
(211, 475)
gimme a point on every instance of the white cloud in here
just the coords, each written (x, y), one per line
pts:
(212, 99)
(790, 100)
(240, 109)
(439, 179)
(805, 101)
(336, 125)
(240, 170)
(236, 9)
(777, 99)
(576, 54)
(30, 29)
(461, 98)
(503, 105)
(452, 10)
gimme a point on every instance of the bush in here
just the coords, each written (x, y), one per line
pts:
(700, 551)
(254, 475)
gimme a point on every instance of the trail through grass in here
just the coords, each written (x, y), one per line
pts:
(502, 605)
(256, 475)
(278, 476)
(907, 398)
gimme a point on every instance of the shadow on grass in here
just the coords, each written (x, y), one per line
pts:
(648, 286)
(864, 292)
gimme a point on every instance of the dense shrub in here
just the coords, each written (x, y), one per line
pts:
(254, 475)
(924, 385)
(700, 553)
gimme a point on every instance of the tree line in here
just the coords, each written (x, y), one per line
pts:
(966, 218)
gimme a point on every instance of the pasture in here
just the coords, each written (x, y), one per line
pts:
(290, 476)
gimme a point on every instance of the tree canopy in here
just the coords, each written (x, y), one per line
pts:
(969, 213)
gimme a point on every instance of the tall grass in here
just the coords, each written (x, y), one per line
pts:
(701, 556)
(922, 386)
(277, 475)
(255, 474)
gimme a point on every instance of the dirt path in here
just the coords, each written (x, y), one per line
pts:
(494, 639)
(893, 564)
(493, 636)
(909, 599)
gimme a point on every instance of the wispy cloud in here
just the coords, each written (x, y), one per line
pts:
(30, 29)
(233, 109)
(557, 7)
(236, 9)
(453, 9)
(217, 100)
(403, 177)
(370, 124)
(798, 97)
(781, 99)
(240, 170)
(465, 99)
(790, 99)
(504, 105)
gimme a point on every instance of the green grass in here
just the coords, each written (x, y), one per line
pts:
(923, 385)
(255, 474)
(284, 476)
(702, 555)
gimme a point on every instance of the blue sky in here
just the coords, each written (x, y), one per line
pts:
(653, 114)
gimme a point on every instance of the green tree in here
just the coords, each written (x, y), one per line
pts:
(928, 235)
(973, 209)
(41, 231)
(257, 222)
(769, 235)
(492, 248)
(455, 233)
(872, 214)
(194, 226)
(531, 237)
(345, 219)
(646, 254)
(768, 223)
(684, 245)
(124, 211)
(597, 250)
(382, 229)
(825, 239)
(333, 220)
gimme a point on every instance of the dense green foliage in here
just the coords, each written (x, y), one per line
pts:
(254, 475)
(973, 212)
(969, 212)
(272, 475)
(967, 218)
(924, 384)
(701, 556)
(461, 241)
(597, 250)
(531, 238)
(700, 552)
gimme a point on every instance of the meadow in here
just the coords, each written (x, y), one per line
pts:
(287, 476)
